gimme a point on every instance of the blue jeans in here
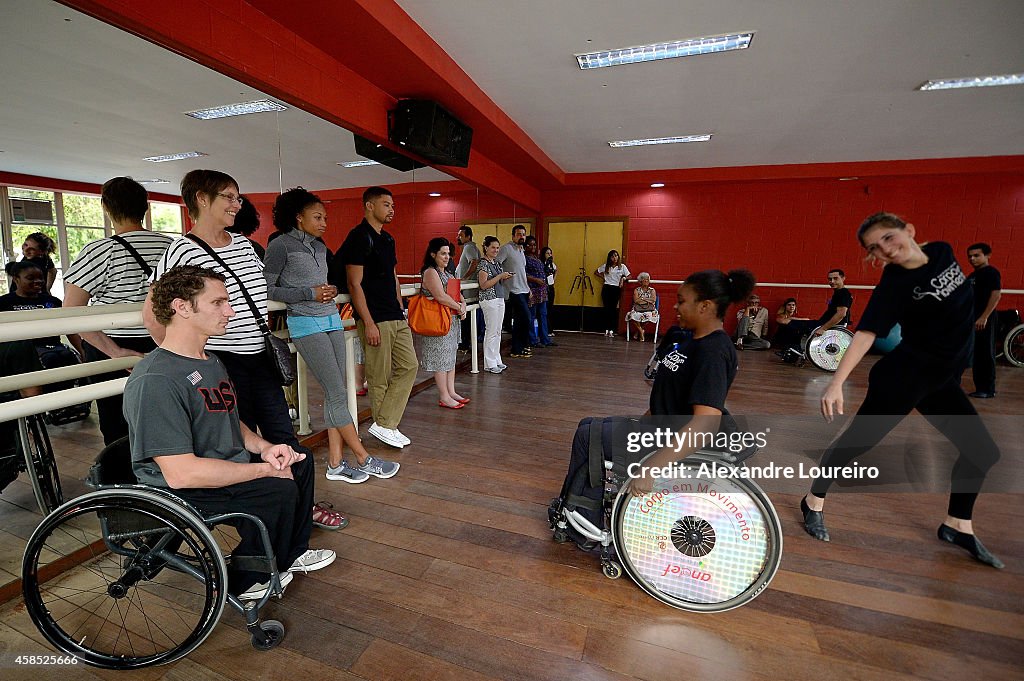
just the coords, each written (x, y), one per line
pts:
(540, 313)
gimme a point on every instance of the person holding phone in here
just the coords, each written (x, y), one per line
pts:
(490, 276)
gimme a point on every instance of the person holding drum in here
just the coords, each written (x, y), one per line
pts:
(925, 291)
(694, 377)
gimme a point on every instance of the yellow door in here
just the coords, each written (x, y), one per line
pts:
(566, 242)
(579, 248)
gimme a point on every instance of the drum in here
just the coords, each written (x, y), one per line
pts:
(699, 543)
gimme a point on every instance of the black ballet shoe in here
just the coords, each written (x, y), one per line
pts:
(814, 522)
(971, 544)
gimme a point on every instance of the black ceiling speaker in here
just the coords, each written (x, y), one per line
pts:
(423, 127)
(381, 154)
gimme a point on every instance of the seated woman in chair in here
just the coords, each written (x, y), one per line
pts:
(645, 305)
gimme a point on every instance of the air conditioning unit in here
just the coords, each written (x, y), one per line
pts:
(31, 212)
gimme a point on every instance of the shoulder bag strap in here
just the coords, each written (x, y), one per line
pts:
(248, 299)
(135, 254)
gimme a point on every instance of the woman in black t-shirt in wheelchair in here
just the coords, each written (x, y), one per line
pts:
(694, 376)
(925, 291)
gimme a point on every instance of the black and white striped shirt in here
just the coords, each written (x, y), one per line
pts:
(110, 274)
(243, 333)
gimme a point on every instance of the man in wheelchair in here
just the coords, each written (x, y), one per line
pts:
(186, 435)
(837, 313)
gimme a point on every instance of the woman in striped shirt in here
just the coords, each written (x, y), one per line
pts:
(212, 199)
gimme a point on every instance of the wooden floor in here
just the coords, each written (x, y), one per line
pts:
(448, 570)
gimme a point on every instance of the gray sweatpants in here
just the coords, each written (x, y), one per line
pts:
(325, 355)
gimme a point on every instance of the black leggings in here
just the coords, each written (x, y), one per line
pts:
(610, 296)
(899, 383)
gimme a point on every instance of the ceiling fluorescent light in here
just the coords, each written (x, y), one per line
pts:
(240, 109)
(435, 194)
(660, 140)
(657, 185)
(670, 50)
(979, 81)
(175, 157)
(153, 181)
(358, 164)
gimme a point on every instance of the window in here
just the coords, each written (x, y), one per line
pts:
(83, 221)
(166, 217)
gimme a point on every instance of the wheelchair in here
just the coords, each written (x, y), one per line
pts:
(697, 542)
(25, 448)
(827, 350)
(129, 576)
(1010, 337)
(55, 357)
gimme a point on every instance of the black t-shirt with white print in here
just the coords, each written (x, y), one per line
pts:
(696, 371)
(933, 305)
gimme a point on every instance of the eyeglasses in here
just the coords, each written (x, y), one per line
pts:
(231, 198)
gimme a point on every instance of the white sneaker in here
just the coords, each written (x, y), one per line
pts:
(258, 591)
(402, 438)
(388, 436)
(313, 559)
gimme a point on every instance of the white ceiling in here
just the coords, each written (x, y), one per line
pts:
(81, 100)
(823, 81)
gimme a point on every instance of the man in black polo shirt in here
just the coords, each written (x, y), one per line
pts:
(370, 268)
(987, 285)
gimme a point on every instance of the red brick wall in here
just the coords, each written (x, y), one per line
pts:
(793, 231)
(418, 217)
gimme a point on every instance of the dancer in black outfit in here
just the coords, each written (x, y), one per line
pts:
(925, 291)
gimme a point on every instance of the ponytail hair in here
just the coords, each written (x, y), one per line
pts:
(721, 288)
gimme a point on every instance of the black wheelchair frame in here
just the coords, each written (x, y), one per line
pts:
(34, 455)
(133, 600)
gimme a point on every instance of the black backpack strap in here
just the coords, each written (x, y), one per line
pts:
(135, 254)
(248, 299)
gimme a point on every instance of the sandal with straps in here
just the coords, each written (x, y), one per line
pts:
(326, 519)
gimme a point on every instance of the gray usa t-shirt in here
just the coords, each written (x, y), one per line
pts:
(179, 405)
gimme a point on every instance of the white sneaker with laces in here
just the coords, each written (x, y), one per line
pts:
(313, 559)
(258, 591)
(388, 436)
(402, 438)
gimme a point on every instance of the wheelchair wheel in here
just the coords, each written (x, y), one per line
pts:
(149, 586)
(1013, 346)
(702, 544)
(827, 350)
(40, 464)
